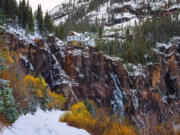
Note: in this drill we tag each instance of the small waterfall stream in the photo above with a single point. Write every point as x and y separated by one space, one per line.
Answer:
117 101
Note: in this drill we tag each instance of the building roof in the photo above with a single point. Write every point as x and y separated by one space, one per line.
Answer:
73 33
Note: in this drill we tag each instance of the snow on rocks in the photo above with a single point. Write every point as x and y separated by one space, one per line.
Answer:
135 70
60 13
101 14
42 123
166 46
124 15
75 52
22 35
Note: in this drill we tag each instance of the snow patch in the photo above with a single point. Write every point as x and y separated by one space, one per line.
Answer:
22 35
42 123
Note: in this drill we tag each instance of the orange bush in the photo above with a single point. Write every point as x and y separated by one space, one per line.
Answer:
34 83
39 87
117 128
56 100
81 118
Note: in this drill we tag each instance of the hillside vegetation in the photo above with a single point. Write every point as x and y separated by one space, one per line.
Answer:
75 68
138 47
21 93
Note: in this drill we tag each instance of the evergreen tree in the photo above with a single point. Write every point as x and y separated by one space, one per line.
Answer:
1 4
30 19
7 101
100 32
20 12
90 107
60 32
12 8
22 15
39 19
25 16
2 22
48 24
9 7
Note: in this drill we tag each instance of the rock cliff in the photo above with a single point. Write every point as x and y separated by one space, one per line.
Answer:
148 95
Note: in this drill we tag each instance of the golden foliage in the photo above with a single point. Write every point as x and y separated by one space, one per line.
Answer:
34 83
56 100
39 93
101 125
79 117
118 128
39 86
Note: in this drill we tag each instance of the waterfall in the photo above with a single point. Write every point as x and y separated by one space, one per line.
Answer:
135 99
117 101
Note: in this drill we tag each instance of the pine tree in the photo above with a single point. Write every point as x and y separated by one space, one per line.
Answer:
20 12
1 4
31 20
100 32
48 24
2 22
22 15
7 101
60 32
9 7
12 8
90 107
39 19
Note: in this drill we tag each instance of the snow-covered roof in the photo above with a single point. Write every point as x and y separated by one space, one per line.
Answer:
74 33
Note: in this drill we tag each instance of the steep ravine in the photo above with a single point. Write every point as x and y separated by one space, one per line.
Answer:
147 98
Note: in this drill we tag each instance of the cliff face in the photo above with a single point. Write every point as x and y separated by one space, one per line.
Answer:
147 96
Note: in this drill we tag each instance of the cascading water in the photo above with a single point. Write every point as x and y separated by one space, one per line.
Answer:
135 99
117 101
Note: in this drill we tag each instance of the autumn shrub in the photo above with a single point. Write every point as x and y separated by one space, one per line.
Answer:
100 125
117 128
39 87
79 117
56 100
29 92
166 128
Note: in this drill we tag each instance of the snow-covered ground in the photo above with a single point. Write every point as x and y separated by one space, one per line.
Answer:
42 123
29 37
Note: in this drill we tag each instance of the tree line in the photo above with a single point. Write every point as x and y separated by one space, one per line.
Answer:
23 15
138 46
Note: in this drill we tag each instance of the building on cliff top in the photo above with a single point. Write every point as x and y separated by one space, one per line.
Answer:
76 39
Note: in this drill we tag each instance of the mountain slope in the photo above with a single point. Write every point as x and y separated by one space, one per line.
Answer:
112 14
109 10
